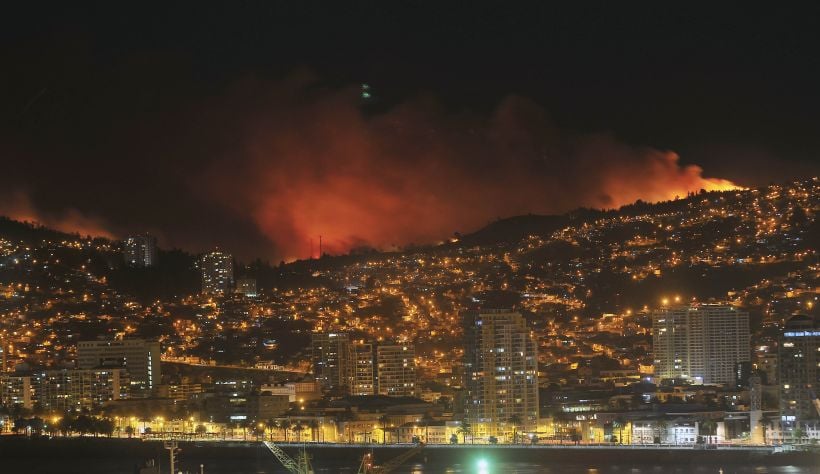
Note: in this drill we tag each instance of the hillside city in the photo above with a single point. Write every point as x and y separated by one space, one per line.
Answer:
692 321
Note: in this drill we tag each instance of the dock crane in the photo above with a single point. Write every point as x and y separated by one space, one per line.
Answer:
300 465
367 466
815 400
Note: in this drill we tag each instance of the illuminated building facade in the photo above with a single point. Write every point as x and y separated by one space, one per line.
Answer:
139 357
798 371
59 391
217 273
16 390
501 371
703 343
364 376
332 360
396 370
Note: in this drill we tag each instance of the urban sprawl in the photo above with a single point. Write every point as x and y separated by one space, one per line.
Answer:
688 322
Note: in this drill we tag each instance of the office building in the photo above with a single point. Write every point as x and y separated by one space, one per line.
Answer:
140 250
396 370
139 357
332 360
217 273
501 371
798 371
364 376
702 342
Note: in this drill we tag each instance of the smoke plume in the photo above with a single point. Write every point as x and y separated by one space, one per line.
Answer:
311 161
17 205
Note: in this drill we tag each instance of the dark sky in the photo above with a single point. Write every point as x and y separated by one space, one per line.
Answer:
240 123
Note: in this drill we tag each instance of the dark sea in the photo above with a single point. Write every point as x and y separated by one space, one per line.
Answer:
104 456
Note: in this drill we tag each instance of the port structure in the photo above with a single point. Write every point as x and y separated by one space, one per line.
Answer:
300 465
367 467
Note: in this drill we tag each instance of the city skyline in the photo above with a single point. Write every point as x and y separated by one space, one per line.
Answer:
462 237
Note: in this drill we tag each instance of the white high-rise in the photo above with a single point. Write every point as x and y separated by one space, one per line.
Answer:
501 371
701 342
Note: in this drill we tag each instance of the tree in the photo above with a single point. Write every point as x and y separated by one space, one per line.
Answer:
314 429
20 424
515 421
271 425
798 434
464 430
426 420
709 427
297 429
129 430
574 436
383 420
661 426
620 423
104 426
245 424
66 424
200 430
36 424
285 425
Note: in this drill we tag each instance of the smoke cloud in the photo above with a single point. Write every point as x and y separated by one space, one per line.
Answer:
17 205
311 161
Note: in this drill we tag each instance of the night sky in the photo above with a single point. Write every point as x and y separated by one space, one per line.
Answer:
242 125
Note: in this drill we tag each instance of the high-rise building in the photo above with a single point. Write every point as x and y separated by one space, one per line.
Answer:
396 370
332 360
701 342
798 371
140 250
364 376
139 357
246 286
501 371
217 272
64 390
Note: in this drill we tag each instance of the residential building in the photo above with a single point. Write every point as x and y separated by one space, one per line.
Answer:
16 390
364 377
140 250
701 342
217 273
59 391
332 360
396 370
798 372
501 371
